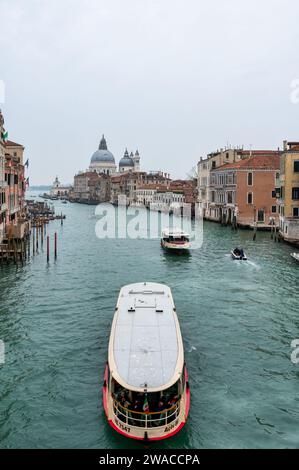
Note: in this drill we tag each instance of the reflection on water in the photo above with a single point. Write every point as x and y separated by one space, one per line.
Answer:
237 321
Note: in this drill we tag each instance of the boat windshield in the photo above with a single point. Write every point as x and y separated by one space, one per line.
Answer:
176 239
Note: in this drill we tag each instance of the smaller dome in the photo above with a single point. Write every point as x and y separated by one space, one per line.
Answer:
126 161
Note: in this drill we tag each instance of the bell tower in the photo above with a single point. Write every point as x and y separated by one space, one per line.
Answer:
136 160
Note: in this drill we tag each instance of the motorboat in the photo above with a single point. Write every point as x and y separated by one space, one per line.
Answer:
295 256
146 393
175 240
239 254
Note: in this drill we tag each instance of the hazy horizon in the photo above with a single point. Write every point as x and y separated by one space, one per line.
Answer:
175 79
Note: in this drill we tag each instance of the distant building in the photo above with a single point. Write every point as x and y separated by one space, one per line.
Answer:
91 188
126 184
245 191
289 192
145 194
58 190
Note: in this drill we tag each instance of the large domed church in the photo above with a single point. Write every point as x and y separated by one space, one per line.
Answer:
103 161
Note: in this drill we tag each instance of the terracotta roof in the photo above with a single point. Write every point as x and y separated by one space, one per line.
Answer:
258 152
256 162
10 143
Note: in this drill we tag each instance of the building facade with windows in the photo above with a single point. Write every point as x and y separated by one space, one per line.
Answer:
2 180
289 192
210 187
90 188
245 192
15 188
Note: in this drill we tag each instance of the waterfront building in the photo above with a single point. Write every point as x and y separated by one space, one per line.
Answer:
90 187
164 199
189 189
145 194
289 192
212 162
58 190
204 168
244 192
16 215
126 183
2 179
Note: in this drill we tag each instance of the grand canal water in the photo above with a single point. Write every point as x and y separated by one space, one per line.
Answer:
237 320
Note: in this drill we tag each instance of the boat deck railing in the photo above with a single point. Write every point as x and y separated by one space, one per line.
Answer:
146 419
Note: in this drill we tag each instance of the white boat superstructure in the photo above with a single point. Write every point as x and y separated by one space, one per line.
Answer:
295 256
175 239
146 392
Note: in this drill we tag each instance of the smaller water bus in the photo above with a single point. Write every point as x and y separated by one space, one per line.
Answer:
175 240
146 393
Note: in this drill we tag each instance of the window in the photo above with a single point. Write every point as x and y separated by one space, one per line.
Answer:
274 193
274 209
296 212
261 215
296 166
213 165
227 155
277 176
249 198
249 179
295 194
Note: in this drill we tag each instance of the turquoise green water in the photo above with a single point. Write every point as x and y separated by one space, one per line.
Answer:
237 321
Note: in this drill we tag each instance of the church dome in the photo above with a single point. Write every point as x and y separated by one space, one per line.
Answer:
102 155
126 161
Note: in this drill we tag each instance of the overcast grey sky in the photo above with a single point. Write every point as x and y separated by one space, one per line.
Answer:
175 78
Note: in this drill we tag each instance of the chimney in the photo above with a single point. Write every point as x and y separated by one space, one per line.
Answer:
285 145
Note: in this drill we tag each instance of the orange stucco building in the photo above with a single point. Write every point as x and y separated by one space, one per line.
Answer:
246 191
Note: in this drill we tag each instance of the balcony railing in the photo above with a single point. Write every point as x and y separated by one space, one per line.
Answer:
146 419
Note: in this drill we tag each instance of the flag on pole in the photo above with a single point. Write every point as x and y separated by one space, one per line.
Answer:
145 404
27 182
4 135
27 163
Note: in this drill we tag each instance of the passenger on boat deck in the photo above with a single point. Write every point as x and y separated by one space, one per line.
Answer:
137 406
172 401
160 407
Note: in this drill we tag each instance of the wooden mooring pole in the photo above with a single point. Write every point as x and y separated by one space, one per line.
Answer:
55 245
48 248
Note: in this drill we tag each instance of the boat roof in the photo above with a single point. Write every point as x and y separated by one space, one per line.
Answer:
145 347
174 232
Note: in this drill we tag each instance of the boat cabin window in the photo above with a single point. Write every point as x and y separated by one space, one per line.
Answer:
146 402
172 239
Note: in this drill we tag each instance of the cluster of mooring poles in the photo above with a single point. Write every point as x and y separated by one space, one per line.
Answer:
26 238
